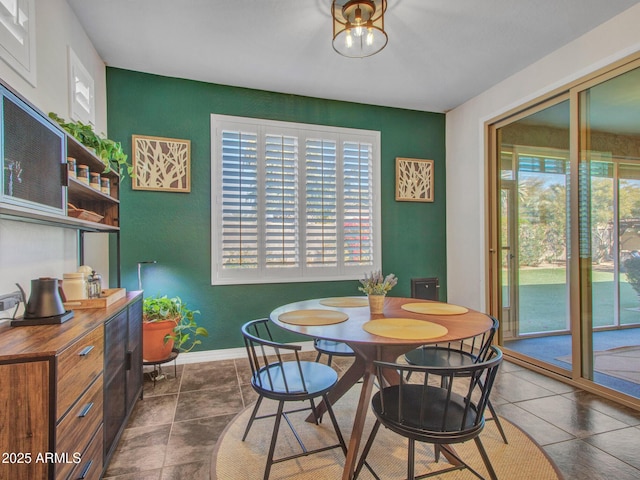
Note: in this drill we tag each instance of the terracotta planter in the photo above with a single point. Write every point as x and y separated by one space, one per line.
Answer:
154 348
376 304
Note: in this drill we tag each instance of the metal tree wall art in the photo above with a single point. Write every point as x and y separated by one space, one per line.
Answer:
414 180
161 164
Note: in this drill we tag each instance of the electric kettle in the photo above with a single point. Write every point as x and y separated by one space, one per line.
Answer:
45 299
45 303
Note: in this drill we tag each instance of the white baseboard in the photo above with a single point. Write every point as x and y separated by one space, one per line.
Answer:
226 354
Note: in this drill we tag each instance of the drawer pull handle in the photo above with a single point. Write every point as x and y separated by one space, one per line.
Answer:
85 470
85 410
86 350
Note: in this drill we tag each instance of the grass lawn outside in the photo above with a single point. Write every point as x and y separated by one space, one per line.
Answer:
544 300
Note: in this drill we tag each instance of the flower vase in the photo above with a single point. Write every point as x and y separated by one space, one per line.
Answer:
376 304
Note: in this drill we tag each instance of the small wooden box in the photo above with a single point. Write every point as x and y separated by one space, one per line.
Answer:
109 296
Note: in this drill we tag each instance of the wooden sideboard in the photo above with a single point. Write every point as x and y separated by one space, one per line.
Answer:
66 391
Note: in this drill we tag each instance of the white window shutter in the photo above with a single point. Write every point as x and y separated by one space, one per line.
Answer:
281 201
292 202
321 203
357 226
239 200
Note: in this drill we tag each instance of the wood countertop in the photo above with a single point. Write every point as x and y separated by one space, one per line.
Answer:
32 342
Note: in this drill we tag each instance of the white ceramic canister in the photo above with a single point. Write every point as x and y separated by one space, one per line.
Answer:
74 286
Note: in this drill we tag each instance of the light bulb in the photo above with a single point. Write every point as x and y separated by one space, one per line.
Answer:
370 36
358 22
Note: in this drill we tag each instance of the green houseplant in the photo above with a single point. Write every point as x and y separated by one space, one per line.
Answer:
168 324
109 151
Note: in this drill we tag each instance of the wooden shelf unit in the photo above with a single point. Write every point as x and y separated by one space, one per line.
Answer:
86 197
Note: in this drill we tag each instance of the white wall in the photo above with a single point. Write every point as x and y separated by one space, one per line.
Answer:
466 246
28 251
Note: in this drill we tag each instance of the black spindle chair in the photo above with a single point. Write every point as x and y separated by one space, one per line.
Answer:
440 415
459 353
283 379
331 349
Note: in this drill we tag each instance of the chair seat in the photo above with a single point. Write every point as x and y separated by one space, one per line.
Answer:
439 357
318 379
330 347
428 426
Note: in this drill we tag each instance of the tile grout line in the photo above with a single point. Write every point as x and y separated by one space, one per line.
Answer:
173 420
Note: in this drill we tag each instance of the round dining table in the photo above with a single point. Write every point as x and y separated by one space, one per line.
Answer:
405 324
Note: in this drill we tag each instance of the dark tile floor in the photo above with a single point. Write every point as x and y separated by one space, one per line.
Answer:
173 430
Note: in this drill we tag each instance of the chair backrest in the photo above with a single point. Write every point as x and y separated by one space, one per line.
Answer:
271 370
477 346
484 342
427 405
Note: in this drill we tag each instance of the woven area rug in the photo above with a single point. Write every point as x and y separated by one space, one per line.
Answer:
234 459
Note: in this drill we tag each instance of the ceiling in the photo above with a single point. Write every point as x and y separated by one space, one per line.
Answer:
440 53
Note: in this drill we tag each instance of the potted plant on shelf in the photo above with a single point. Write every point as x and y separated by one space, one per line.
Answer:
376 287
168 324
109 151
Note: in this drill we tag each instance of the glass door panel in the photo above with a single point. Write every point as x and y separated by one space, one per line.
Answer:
610 150
629 238
534 152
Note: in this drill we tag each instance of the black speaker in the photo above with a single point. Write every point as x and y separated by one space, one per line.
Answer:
425 288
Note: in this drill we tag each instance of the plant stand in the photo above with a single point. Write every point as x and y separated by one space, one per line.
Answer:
157 374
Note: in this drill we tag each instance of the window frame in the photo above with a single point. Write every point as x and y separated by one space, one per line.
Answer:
302 272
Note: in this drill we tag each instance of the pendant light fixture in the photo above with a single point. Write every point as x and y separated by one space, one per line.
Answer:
358 27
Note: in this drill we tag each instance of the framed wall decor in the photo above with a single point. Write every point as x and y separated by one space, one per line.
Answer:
161 164
414 180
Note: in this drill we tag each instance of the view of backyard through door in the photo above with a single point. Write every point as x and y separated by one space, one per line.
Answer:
536 209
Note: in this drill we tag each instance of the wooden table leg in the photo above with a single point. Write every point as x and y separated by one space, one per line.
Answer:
363 368
358 425
367 354
348 380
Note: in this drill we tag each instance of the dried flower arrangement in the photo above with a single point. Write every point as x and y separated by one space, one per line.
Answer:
376 284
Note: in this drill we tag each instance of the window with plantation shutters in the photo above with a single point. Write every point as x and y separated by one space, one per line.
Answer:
292 202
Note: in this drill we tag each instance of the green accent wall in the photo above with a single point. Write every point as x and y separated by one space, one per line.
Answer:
175 228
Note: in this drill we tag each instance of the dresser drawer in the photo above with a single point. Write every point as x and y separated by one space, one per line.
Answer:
77 367
75 430
90 467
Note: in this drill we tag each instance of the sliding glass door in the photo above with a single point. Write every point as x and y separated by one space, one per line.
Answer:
534 179
609 151
565 223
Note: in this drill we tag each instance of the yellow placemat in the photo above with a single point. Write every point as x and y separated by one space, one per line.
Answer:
345 302
434 308
313 317
405 328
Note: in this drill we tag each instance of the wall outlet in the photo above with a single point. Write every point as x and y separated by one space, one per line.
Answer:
10 300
